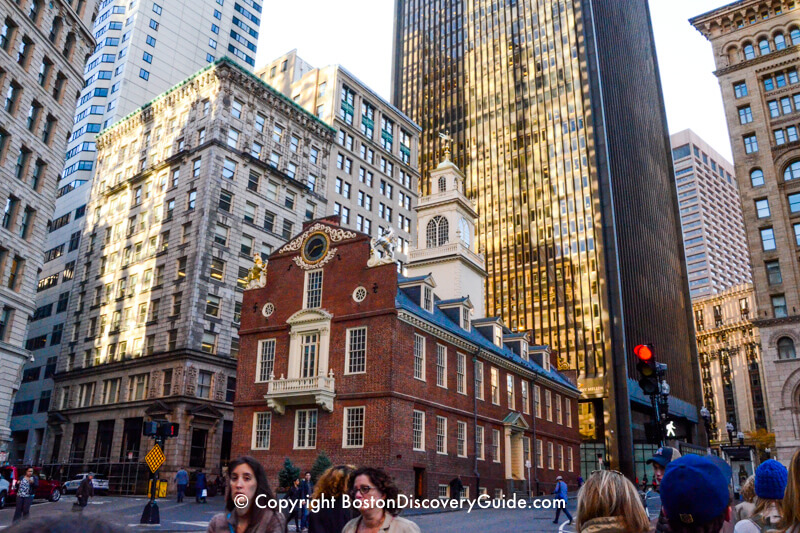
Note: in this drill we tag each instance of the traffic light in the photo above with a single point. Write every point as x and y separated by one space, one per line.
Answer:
150 429
168 429
648 371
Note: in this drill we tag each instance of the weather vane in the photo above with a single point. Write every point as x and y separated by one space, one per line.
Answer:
447 140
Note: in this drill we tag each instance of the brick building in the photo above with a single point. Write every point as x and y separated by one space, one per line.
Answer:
378 369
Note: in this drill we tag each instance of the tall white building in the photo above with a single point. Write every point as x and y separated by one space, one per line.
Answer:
144 47
711 217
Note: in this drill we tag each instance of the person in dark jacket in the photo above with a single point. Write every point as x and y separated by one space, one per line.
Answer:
199 486
294 510
333 483
85 491
306 489
456 486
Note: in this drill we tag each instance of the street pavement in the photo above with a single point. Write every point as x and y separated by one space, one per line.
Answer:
191 516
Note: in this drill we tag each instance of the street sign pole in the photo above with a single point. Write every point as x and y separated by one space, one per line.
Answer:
154 460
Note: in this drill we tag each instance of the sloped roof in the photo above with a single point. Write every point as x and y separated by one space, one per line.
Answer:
438 318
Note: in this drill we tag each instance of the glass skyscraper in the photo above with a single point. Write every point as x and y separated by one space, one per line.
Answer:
558 122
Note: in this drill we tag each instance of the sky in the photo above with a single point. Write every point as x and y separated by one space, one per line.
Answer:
363 45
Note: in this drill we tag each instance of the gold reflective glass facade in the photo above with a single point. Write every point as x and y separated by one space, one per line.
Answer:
507 82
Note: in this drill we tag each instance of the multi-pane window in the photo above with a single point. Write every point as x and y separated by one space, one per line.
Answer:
779 306
346 108
762 208
495 385
561 457
774 276
262 423
137 387
212 305
441 435
305 435
568 411
550 458
479 442
570 465
750 144
524 394
266 359
794 203
559 419
356 350
757 177
768 239
418 431
479 380
353 427
496 445
745 115
510 390
461 373
548 405
419 357
461 439
313 289
441 366
539 454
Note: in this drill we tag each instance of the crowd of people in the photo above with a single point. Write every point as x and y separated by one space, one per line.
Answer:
696 497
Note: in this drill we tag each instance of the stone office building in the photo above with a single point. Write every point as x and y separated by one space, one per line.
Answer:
400 372
185 196
43 46
756 47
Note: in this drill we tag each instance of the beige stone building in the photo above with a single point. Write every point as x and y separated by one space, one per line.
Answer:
185 195
731 368
373 177
756 46
44 46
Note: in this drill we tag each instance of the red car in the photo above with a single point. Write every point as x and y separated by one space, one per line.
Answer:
47 489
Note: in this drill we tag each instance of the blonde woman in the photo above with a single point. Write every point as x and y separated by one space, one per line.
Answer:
609 503
790 517
746 509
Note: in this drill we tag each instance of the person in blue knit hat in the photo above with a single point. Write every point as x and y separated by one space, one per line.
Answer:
771 477
694 496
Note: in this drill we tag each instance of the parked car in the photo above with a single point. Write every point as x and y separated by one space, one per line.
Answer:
48 489
99 482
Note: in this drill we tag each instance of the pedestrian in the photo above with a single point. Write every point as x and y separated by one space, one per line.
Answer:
306 490
182 480
85 490
561 495
60 523
293 497
770 485
332 485
661 458
695 496
609 503
790 517
248 484
200 487
25 493
370 486
456 486
746 508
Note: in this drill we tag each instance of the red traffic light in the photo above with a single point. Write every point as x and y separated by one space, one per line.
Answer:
643 352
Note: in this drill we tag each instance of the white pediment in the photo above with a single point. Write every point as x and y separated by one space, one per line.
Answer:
307 316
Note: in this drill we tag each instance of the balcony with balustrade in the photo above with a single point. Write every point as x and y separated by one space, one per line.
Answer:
319 390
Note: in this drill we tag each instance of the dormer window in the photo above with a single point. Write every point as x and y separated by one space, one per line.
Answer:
465 318
546 361
427 298
498 336
524 350
313 292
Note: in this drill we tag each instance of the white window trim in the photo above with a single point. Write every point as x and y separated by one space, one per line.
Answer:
446 492
422 436
444 372
261 344
347 351
444 442
316 432
499 454
551 460
305 288
255 431
363 427
568 410
423 357
548 404
479 392
525 395
482 433
460 424
461 357
492 372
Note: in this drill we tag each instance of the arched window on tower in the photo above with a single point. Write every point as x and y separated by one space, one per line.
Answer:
463 227
442 184
786 348
437 231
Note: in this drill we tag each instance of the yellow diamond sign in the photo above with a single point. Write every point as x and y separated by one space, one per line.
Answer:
154 458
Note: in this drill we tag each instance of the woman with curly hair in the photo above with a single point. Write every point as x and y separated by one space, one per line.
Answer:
747 507
332 485
375 495
248 481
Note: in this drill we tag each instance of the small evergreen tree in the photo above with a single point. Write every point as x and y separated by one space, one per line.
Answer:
287 475
321 464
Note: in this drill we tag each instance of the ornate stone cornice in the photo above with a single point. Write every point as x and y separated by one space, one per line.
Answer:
335 234
790 52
